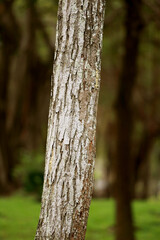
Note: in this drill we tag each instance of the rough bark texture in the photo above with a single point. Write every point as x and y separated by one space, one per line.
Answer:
124 165
70 152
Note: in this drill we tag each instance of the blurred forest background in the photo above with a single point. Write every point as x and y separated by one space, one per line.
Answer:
128 129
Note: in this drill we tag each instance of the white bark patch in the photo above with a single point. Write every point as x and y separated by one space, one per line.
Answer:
70 150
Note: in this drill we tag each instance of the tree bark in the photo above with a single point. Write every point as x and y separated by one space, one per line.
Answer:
70 153
124 165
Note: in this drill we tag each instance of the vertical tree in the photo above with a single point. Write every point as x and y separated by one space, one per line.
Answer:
9 40
70 152
124 164
19 91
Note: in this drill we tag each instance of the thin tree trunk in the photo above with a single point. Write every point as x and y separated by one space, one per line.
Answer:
146 180
142 161
70 152
124 165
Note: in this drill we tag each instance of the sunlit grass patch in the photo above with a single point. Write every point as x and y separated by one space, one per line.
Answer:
19 217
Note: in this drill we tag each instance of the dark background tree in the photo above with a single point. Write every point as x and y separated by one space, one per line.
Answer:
124 162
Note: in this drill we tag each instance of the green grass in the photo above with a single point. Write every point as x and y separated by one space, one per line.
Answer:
19 216
101 220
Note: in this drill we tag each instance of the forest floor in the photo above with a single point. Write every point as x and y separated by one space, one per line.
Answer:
19 216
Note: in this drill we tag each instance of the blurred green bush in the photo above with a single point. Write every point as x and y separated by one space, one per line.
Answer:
29 173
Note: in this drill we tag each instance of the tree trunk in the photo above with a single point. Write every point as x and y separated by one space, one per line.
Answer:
70 153
124 165
142 166
10 35
145 179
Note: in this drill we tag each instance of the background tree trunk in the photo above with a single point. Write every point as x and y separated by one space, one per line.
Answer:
9 32
23 75
124 164
70 152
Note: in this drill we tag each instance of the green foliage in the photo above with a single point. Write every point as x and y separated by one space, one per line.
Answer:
19 217
30 173
34 183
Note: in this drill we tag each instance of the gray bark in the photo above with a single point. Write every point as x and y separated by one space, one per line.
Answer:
70 153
